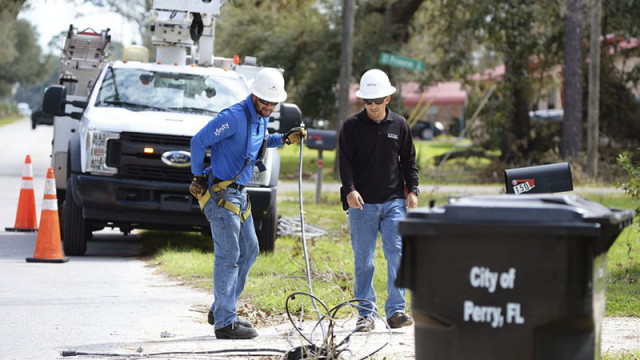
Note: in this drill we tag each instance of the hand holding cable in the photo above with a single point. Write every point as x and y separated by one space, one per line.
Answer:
198 186
295 135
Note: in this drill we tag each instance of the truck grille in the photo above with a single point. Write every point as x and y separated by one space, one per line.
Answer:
128 156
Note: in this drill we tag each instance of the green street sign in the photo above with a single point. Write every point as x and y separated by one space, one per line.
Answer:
402 62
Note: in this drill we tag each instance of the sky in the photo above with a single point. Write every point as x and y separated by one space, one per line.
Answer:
50 17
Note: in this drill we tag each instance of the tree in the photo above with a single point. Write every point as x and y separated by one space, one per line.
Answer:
11 7
21 59
306 45
516 32
305 42
135 11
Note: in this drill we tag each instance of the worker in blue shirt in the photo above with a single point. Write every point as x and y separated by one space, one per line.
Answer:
237 137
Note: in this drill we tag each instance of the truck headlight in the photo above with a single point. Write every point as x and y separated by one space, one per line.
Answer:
97 142
262 178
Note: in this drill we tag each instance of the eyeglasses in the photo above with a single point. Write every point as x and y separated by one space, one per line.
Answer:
377 101
267 103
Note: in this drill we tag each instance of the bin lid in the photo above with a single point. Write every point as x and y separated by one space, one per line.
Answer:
514 208
566 214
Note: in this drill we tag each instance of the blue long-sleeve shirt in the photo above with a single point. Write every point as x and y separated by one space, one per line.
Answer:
226 135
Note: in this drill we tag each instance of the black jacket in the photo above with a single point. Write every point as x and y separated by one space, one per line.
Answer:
377 158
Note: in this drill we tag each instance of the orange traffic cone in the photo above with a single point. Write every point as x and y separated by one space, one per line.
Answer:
26 215
48 242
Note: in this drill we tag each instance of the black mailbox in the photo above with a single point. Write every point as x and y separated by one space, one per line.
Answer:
549 178
321 139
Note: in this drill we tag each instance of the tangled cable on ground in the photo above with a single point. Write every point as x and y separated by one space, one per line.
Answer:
330 349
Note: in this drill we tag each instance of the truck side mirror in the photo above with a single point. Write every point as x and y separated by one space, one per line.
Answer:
55 98
290 117
55 101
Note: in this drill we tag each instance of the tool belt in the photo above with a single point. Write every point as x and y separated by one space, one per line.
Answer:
221 186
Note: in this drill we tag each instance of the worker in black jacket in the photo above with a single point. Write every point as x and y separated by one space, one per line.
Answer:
379 182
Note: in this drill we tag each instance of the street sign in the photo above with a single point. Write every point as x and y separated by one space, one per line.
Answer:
402 62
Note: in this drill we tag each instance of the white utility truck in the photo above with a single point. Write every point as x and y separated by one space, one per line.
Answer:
122 129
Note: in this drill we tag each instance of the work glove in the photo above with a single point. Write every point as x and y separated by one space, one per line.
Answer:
198 186
295 135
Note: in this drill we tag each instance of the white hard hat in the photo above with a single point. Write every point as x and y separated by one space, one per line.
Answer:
375 84
269 85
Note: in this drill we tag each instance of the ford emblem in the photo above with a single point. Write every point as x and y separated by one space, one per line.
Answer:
177 158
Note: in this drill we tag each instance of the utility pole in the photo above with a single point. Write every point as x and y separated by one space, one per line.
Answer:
572 122
593 117
345 70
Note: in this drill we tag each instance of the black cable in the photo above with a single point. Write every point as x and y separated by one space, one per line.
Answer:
68 353
293 297
329 350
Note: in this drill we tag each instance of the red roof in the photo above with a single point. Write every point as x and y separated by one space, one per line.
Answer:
444 93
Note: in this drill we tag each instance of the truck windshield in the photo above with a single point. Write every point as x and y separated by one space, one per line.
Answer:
143 90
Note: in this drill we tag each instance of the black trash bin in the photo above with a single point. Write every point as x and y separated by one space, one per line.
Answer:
508 276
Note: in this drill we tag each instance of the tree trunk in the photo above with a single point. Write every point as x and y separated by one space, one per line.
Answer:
345 70
573 59
515 144
594 90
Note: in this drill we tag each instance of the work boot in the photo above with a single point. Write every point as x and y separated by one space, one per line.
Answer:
365 324
236 331
211 320
399 320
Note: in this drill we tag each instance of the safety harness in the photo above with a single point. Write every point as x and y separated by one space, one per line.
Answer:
221 186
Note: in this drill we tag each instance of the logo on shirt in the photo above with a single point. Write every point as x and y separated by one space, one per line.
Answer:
222 128
393 136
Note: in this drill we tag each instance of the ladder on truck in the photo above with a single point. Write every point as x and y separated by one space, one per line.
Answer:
84 55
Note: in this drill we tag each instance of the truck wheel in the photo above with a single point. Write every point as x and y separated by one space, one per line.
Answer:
267 235
75 228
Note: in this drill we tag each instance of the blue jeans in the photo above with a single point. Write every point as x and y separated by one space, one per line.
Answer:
235 250
365 226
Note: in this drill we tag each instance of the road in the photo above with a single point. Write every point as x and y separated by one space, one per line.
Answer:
111 301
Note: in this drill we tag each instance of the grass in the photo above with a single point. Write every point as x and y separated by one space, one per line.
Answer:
426 151
10 119
190 257
625 355
623 262
623 268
